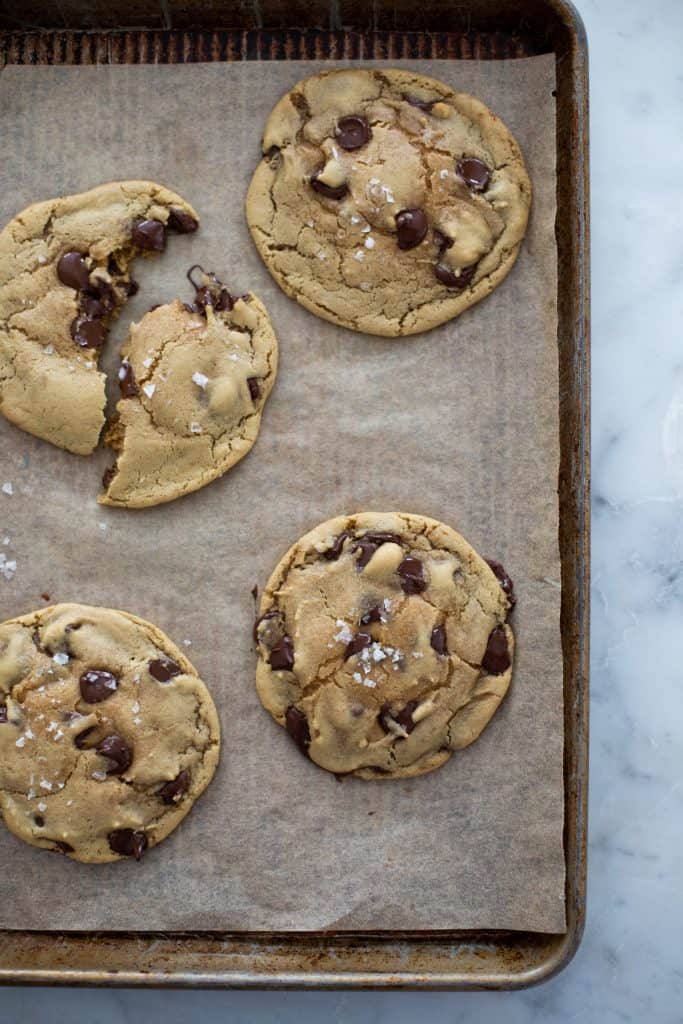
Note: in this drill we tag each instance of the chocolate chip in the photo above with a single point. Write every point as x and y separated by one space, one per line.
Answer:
438 639
414 101
330 191
88 333
224 301
411 572
3 713
368 544
72 270
506 583
254 388
128 843
173 792
104 292
448 276
117 750
335 550
62 846
109 475
282 655
39 820
127 380
81 740
163 669
353 131
149 234
296 725
45 596
411 228
374 615
181 221
474 173
359 641
404 718
97 685
497 656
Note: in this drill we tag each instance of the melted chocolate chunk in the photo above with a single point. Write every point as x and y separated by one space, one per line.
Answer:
411 571
329 191
81 740
173 792
92 307
254 388
108 475
97 685
451 279
130 287
3 713
224 301
359 641
39 820
414 101
296 725
438 639
496 658
333 552
374 615
149 234
212 294
72 270
181 221
506 583
163 669
282 655
411 228
128 843
474 173
353 131
127 380
368 544
103 292
88 333
119 753
62 846
404 718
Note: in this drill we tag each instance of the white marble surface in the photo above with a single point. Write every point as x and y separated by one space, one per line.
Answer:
630 965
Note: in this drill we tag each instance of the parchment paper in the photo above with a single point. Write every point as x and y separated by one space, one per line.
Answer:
460 424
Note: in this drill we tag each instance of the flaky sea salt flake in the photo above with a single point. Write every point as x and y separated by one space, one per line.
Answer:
8 489
200 379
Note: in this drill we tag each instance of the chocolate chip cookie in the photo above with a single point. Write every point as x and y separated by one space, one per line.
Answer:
194 380
107 733
384 644
63 277
386 202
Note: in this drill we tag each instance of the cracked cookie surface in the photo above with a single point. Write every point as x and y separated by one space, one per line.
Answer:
386 202
383 644
63 277
107 733
194 381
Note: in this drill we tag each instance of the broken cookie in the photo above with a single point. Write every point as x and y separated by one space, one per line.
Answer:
107 734
194 380
384 644
64 274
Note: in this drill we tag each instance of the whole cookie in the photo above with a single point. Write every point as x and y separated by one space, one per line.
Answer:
194 381
383 644
107 733
386 202
63 277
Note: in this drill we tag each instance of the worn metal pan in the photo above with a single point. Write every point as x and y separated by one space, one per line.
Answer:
82 32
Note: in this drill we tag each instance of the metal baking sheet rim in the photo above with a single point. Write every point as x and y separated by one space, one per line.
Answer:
493 960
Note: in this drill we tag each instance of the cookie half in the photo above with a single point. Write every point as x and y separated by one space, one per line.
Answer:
63 277
386 202
194 381
107 733
384 644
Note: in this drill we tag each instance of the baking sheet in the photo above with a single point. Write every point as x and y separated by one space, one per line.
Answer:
460 424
